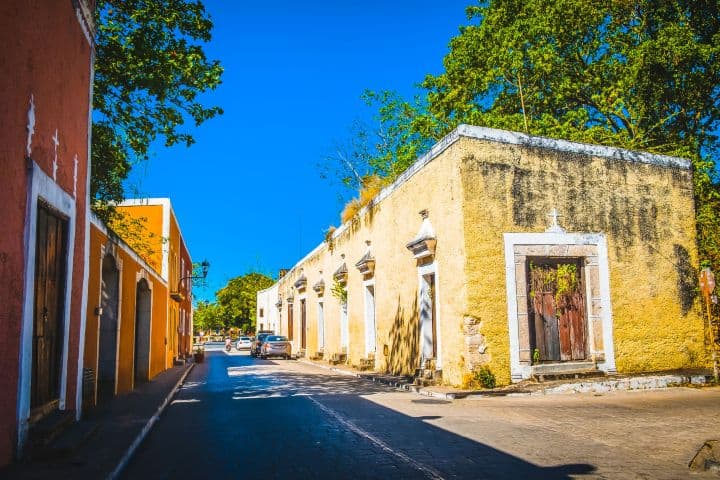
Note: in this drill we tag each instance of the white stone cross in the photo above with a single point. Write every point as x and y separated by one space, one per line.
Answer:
75 173
55 163
554 226
30 126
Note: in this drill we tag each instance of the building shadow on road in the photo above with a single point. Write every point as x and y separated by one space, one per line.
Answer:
326 426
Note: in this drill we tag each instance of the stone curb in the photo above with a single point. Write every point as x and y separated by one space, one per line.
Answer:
408 387
148 426
652 382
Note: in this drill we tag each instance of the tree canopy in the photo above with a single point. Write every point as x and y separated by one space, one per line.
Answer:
235 305
150 69
641 75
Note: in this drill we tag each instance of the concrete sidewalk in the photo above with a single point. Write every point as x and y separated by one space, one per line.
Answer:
99 446
580 385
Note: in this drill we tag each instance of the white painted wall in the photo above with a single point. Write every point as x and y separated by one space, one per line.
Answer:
266 300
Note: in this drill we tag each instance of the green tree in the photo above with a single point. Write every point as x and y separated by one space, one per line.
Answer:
641 75
207 316
237 301
150 69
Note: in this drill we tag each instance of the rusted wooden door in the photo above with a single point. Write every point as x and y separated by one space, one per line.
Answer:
303 320
559 313
571 309
48 327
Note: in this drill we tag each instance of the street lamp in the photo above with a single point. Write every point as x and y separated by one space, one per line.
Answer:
177 295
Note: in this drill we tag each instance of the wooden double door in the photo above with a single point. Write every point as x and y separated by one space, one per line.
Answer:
557 301
49 307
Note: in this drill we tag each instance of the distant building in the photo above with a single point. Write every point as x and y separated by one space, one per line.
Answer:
45 92
268 317
520 254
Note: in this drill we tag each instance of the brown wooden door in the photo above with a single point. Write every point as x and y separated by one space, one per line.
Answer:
48 327
290 321
303 320
558 311
572 324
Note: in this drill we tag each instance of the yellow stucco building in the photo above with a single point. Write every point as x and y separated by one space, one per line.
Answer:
139 315
523 255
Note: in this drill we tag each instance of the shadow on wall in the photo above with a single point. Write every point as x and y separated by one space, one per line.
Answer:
687 278
404 337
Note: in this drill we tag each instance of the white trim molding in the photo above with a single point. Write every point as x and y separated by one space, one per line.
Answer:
42 187
592 248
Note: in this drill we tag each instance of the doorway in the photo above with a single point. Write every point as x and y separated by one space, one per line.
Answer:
49 307
370 333
290 321
557 310
303 325
343 326
109 320
428 317
143 313
321 326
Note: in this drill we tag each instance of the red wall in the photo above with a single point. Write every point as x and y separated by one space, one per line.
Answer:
44 54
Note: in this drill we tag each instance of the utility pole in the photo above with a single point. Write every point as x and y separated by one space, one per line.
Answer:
707 285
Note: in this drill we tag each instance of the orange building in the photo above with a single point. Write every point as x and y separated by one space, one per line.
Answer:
173 262
46 91
139 309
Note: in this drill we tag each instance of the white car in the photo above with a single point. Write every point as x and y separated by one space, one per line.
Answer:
244 343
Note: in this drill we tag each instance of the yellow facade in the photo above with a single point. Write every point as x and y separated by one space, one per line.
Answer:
172 257
131 270
628 218
139 315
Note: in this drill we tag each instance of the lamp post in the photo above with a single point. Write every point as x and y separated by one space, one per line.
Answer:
177 295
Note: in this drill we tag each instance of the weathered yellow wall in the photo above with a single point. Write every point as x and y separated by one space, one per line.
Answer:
646 212
389 226
475 191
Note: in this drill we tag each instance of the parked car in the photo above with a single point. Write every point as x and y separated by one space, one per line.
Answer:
276 346
259 339
244 343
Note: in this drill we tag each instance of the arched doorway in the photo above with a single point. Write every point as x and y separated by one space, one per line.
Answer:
109 303
143 313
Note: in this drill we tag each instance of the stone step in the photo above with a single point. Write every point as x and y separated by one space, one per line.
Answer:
568 375
67 442
46 430
562 367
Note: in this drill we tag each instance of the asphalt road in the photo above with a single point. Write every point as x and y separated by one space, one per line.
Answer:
240 417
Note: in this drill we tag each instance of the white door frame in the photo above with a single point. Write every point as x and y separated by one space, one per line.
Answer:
429 269
42 187
321 324
370 323
597 308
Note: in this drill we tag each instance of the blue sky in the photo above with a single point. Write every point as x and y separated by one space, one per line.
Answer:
248 194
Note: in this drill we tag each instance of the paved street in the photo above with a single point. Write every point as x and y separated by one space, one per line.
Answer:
248 418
